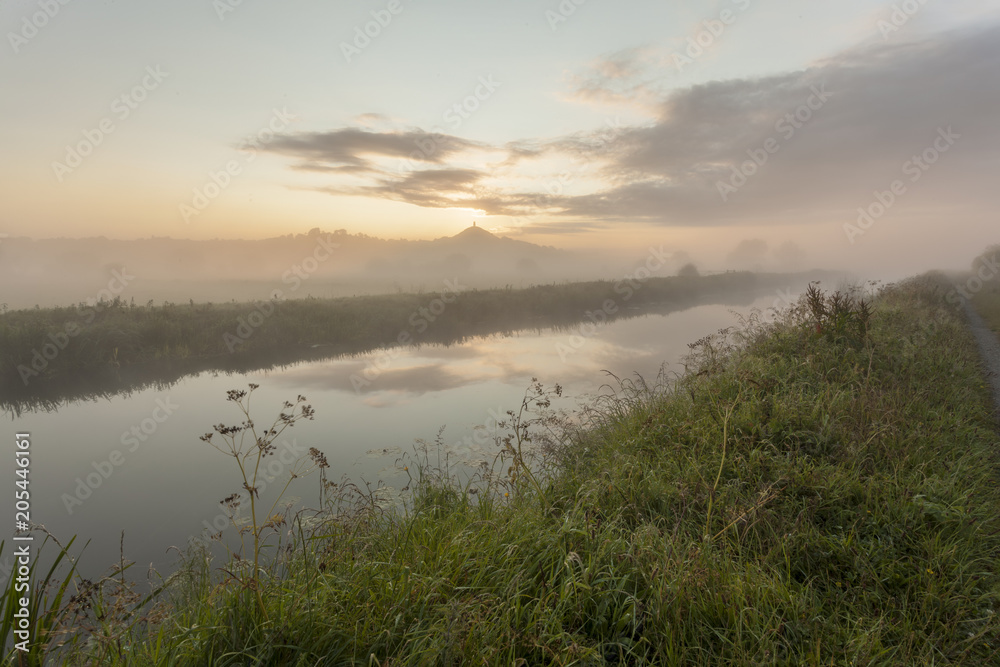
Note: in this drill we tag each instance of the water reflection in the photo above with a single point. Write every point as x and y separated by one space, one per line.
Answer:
449 337
391 377
168 487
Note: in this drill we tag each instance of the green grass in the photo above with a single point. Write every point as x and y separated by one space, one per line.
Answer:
987 304
983 286
822 491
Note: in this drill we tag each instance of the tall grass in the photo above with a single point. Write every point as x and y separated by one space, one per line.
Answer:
44 618
797 497
987 304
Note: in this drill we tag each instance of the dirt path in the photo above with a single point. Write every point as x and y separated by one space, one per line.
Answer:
989 351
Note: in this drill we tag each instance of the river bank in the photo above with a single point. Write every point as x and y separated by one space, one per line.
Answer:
820 489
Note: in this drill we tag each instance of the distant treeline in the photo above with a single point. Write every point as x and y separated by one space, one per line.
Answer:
113 346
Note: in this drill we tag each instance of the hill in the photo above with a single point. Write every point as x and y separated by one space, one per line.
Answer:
60 272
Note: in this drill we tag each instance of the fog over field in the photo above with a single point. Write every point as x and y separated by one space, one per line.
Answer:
56 272
863 139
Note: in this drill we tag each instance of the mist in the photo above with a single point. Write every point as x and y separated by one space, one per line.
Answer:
325 264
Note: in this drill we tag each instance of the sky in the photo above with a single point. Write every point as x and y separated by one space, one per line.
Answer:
857 133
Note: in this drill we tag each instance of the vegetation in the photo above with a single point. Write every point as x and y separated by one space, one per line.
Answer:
688 270
819 490
249 446
984 292
46 613
113 345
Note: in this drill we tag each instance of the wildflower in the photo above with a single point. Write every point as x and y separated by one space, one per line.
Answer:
318 458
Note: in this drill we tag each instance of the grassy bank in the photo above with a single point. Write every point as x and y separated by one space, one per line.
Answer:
819 491
982 287
987 304
66 352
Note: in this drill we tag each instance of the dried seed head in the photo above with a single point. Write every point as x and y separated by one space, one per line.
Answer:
235 395
318 457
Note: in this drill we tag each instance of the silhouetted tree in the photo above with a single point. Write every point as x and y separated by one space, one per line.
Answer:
689 270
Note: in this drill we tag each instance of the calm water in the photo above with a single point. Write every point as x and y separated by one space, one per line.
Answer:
168 483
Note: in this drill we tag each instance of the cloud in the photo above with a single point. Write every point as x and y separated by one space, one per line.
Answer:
561 227
882 105
348 149
437 188
413 380
838 132
630 77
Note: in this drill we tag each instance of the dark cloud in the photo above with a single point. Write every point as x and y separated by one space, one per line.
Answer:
345 149
837 132
874 108
435 188
444 188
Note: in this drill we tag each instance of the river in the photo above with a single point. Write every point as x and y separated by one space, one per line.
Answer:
136 464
